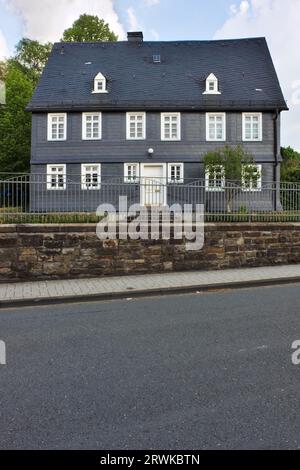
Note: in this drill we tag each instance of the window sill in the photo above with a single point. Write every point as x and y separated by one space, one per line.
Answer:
211 93
91 189
56 189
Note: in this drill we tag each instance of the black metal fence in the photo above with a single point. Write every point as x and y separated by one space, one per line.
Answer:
32 198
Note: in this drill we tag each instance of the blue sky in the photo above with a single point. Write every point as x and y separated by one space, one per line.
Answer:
11 26
173 19
162 20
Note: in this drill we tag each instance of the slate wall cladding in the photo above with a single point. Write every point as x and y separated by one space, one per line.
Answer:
30 252
115 148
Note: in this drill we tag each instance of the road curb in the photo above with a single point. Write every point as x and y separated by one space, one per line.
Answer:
163 291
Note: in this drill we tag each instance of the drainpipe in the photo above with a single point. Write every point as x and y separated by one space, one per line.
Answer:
275 120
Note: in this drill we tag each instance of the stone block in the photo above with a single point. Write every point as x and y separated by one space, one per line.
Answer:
28 254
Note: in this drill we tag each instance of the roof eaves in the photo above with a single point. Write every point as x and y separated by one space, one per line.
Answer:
225 105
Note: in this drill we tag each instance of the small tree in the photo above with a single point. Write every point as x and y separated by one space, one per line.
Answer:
89 28
235 166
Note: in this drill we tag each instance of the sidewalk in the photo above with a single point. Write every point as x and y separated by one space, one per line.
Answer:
44 292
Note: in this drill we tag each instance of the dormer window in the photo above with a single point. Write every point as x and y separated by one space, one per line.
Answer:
100 84
212 85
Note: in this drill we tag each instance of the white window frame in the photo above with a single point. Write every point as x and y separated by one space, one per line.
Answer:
208 116
163 123
175 181
214 188
156 58
128 116
260 123
84 125
51 173
50 122
212 79
128 179
84 185
259 181
100 79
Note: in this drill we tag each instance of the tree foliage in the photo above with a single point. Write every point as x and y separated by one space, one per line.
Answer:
20 75
290 167
31 56
15 123
89 28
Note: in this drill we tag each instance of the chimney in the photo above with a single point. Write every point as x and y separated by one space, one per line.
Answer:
136 36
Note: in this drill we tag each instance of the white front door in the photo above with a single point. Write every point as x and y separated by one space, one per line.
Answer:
153 185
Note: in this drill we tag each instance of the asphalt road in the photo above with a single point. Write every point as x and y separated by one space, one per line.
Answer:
208 371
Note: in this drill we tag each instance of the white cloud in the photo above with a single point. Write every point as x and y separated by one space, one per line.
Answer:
233 9
4 51
150 3
46 20
278 21
133 23
244 7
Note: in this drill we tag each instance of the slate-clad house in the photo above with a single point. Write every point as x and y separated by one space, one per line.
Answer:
136 111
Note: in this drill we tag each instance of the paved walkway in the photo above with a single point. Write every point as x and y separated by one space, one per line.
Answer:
28 293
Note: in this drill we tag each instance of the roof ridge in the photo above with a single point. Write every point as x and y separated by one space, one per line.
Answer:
185 41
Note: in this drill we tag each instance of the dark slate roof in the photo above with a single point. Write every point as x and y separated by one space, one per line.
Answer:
178 82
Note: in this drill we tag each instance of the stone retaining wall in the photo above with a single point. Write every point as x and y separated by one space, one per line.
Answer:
34 252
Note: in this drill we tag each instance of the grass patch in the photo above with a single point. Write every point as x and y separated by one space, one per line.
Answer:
14 216
283 216
53 218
